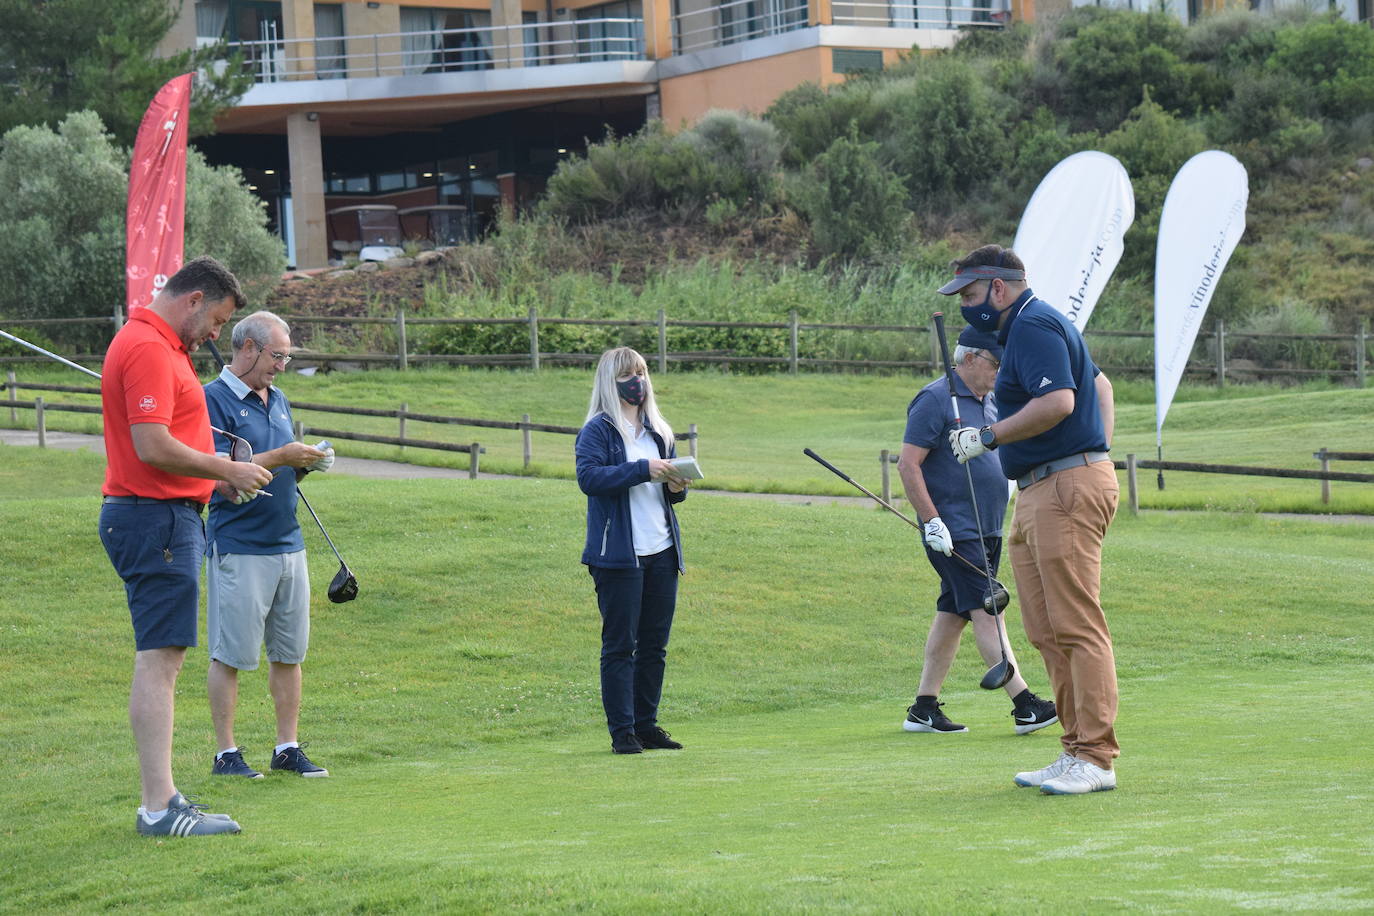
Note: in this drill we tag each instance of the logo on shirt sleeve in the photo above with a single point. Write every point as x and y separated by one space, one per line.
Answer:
147 403
1045 381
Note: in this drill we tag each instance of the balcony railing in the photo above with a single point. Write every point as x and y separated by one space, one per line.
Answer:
735 21
444 50
916 15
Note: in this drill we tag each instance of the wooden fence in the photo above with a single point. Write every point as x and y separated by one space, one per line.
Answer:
402 415
1349 351
887 457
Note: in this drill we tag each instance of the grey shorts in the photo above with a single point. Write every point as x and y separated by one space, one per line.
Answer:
255 599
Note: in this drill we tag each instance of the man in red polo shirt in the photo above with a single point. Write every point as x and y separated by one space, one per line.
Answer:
159 476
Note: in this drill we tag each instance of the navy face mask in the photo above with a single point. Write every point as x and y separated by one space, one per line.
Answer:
982 317
631 390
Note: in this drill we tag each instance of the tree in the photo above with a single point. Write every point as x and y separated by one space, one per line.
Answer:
62 56
63 222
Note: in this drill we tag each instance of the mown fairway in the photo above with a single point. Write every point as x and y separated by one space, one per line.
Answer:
753 428
456 706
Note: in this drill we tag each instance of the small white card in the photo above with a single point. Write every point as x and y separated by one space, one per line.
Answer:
688 467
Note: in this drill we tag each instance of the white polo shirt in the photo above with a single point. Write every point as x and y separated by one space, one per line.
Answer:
648 511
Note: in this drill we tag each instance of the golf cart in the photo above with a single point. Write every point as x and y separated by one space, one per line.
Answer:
376 226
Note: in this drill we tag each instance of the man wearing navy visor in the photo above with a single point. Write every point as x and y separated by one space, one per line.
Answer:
1057 415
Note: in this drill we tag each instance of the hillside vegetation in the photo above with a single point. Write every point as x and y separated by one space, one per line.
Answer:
846 204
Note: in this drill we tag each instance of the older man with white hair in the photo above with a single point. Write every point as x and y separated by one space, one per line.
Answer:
256 577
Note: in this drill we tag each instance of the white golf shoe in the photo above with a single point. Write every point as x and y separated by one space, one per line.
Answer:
1080 778
1038 777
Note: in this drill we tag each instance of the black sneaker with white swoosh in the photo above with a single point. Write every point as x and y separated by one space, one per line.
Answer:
927 717
1034 715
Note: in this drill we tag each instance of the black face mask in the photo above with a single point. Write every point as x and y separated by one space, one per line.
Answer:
631 390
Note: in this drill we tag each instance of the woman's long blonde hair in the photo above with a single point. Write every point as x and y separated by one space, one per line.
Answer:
606 399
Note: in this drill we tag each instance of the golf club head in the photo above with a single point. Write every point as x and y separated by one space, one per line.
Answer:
344 587
996 602
998 675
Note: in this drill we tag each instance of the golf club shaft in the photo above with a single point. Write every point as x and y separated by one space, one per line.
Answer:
61 359
968 472
867 492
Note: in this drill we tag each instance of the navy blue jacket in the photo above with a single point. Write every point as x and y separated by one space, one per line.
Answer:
605 475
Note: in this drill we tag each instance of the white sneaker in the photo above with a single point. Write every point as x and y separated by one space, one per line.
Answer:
1080 778
1038 777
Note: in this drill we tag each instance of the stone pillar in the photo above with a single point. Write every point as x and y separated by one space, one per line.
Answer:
819 12
307 189
508 44
298 26
369 55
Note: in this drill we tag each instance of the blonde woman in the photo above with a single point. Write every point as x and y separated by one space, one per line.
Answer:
634 549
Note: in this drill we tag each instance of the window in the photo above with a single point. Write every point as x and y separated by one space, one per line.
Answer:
330 63
613 40
439 40
211 18
744 19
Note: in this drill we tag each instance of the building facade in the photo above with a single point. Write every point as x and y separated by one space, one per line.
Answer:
451 113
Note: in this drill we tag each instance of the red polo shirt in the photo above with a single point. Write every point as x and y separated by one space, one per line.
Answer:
149 378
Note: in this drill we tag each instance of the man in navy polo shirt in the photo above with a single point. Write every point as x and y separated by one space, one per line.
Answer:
1056 426
256 577
938 487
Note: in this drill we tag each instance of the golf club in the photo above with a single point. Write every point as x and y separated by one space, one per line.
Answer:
994 601
1000 673
344 586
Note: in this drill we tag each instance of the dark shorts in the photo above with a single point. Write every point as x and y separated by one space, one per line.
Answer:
962 587
157 549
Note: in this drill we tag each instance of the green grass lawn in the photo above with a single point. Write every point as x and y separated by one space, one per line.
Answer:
456 706
753 428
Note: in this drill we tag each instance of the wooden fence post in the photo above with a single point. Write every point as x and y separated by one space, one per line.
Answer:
40 421
401 422
1131 485
525 430
118 318
534 339
792 343
692 442
1361 345
13 387
887 478
299 429
476 457
662 341
1221 353
934 347
401 339
1325 458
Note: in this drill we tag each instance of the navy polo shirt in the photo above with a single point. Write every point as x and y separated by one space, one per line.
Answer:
1044 352
929 419
266 525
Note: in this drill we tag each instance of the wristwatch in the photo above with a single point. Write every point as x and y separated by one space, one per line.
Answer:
988 438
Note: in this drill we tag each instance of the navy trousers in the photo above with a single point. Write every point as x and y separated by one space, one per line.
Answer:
636 617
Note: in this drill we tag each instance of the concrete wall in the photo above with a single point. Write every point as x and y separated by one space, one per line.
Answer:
749 86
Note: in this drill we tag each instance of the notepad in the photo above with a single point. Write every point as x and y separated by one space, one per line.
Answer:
687 467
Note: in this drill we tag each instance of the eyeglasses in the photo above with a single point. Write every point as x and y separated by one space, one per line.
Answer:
981 355
283 358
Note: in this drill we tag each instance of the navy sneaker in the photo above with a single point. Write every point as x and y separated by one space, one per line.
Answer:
657 739
293 760
231 764
1034 715
185 819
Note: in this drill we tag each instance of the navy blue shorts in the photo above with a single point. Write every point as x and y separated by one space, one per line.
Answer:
157 549
962 587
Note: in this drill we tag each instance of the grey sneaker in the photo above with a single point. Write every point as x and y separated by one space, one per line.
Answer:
1038 777
185 819
231 764
1080 778
293 760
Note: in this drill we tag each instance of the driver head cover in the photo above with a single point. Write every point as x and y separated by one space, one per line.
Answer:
344 587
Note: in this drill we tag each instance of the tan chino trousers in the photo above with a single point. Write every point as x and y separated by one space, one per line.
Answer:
1056 553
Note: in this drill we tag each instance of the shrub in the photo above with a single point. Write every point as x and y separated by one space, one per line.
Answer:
809 118
1286 322
856 204
1336 59
226 220
736 159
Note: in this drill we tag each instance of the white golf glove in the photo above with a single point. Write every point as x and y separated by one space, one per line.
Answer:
325 463
240 497
966 444
937 536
